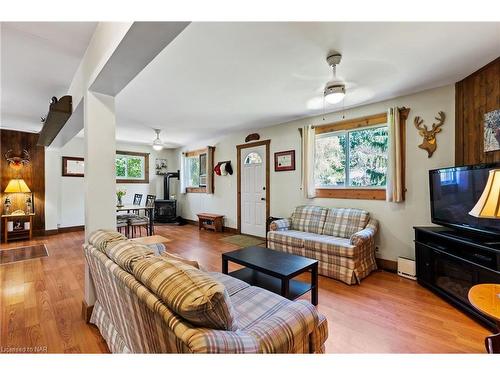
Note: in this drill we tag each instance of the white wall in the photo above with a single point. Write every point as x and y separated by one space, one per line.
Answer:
396 220
64 196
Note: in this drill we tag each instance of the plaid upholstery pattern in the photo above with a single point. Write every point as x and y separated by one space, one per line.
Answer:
293 238
126 253
109 333
232 284
133 320
309 219
100 238
330 246
344 222
190 293
281 224
348 259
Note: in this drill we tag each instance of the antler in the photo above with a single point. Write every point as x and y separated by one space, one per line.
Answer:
418 122
7 154
440 118
26 159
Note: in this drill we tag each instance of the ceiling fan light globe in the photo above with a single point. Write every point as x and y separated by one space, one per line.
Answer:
157 147
334 93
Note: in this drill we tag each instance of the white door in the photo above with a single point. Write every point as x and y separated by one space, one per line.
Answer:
253 191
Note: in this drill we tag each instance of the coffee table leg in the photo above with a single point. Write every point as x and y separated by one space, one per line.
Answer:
224 266
314 285
285 288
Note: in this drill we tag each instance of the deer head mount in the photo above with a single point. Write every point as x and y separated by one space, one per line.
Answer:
429 143
16 162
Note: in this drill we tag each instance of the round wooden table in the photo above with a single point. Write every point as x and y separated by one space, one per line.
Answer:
486 299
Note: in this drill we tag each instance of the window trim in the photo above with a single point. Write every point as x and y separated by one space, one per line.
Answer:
365 193
144 180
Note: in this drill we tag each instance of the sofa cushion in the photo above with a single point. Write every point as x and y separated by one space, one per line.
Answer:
126 253
293 238
189 292
101 238
344 222
255 304
330 245
309 219
232 284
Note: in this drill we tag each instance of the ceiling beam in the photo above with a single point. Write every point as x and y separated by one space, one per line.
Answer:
142 43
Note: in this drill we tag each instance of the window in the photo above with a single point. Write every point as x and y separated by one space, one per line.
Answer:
354 158
253 158
193 171
132 167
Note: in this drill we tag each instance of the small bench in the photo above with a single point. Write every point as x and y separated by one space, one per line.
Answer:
211 221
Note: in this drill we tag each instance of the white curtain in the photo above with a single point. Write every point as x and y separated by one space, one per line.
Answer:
394 189
308 138
183 178
210 169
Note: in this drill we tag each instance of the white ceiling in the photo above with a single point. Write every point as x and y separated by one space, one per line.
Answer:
38 61
220 77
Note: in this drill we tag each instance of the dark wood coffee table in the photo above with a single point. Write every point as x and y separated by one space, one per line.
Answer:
274 270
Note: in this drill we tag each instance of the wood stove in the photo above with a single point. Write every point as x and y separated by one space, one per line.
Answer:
166 209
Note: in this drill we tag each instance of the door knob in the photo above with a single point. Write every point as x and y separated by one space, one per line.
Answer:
262 199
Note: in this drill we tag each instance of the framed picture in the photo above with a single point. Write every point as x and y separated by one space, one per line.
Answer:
161 167
72 166
284 161
492 131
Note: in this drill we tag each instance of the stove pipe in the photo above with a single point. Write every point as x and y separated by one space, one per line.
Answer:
166 183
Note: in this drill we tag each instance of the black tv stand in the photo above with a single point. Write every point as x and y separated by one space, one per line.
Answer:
450 262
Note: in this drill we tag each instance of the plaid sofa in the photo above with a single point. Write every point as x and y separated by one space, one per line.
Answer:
341 239
132 319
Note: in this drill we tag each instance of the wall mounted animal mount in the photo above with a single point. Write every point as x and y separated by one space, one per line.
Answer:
429 143
17 162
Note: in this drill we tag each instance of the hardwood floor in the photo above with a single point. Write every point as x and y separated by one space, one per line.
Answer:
41 304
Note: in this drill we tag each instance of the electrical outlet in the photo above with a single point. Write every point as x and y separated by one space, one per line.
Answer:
377 250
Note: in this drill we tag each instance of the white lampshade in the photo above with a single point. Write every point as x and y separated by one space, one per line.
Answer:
488 205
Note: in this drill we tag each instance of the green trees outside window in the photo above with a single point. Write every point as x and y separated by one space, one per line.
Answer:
354 158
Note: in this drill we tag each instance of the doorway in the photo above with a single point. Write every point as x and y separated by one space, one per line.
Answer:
253 188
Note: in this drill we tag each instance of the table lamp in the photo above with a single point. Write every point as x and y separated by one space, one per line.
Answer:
488 205
16 185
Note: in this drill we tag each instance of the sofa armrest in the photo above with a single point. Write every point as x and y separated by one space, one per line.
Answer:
280 225
289 328
223 342
367 234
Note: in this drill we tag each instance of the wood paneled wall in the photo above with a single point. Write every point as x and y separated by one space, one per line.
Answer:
475 95
33 174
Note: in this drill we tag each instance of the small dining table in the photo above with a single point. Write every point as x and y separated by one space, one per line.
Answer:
133 207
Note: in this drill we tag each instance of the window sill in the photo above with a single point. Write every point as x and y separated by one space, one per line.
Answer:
358 193
132 181
196 190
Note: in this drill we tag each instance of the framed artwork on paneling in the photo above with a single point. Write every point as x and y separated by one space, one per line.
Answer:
492 131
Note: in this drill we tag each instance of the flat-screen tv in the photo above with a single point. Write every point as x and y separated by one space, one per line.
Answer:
454 192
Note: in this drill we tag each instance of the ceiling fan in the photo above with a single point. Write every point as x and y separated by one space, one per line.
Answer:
334 90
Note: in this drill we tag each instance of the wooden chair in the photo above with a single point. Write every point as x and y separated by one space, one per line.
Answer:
122 226
139 222
492 344
137 199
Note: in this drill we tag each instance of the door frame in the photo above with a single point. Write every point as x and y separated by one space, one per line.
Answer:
268 179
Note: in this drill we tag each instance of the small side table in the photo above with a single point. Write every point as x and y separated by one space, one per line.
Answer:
19 234
210 221
486 299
